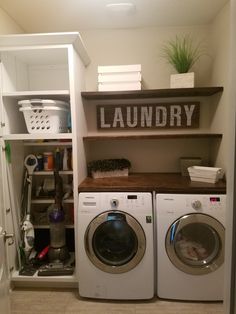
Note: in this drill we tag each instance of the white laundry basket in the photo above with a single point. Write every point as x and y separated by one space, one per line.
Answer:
45 115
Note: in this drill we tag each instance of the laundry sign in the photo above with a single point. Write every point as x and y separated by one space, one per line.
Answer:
165 115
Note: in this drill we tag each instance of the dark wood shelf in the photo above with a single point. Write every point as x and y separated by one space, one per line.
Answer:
148 182
154 136
154 93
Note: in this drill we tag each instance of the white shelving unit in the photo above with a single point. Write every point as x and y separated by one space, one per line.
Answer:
51 143
50 201
27 137
46 173
47 281
48 66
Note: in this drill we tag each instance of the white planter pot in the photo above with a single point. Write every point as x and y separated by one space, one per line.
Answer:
183 80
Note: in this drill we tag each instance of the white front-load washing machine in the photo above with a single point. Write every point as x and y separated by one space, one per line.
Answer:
115 245
190 246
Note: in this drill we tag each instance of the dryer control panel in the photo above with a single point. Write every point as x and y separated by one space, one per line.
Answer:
178 204
207 202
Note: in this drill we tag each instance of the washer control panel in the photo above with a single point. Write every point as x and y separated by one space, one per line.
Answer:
123 201
196 204
114 203
129 201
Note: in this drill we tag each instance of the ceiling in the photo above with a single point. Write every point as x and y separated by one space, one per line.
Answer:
74 15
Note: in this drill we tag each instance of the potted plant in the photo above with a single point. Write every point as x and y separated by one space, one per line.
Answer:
182 55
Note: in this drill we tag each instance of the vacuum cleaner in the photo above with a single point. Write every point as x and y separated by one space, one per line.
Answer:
60 261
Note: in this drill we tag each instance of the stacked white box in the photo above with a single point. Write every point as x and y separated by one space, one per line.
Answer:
119 77
205 174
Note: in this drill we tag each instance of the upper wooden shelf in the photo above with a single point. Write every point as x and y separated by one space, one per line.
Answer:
154 93
153 136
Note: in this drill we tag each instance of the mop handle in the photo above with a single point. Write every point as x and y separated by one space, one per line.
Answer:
29 179
30 163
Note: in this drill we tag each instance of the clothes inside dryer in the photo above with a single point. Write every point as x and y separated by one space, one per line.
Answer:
194 243
197 243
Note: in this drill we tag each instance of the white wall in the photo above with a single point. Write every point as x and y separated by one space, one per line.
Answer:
8 25
144 45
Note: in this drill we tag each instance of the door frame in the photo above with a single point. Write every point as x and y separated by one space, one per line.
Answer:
230 249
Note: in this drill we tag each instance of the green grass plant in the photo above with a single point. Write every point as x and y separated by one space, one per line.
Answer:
181 53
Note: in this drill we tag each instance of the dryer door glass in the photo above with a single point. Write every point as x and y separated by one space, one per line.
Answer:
195 244
115 242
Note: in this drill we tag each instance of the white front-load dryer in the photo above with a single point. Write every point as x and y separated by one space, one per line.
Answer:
190 246
115 245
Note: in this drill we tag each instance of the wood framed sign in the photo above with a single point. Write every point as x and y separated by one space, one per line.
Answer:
153 116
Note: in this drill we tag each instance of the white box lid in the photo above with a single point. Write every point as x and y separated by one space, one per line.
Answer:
119 68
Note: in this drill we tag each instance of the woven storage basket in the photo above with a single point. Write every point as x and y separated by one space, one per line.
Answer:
45 115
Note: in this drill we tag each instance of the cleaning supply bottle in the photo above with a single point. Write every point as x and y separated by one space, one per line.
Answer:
65 159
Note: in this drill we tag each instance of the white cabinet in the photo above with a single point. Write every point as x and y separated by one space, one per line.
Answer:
42 66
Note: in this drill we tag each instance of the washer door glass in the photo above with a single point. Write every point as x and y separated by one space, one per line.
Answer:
195 244
115 242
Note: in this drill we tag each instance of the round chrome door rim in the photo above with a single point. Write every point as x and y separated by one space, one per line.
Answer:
204 268
138 230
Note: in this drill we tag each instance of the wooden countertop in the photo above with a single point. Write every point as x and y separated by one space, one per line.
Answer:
148 182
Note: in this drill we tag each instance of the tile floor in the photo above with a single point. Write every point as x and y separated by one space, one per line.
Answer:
67 301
